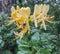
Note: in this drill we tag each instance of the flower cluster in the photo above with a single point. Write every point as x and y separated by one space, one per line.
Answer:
40 15
20 16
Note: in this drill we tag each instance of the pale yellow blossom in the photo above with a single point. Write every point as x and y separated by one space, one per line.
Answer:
40 15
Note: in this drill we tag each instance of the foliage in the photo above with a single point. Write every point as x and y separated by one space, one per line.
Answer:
6 35
36 41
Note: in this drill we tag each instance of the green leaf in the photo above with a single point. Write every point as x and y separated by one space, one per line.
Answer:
35 39
24 52
43 51
7 52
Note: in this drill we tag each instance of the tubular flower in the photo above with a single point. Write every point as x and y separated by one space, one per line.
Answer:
20 16
40 15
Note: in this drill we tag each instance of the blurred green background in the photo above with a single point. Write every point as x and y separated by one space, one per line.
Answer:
37 41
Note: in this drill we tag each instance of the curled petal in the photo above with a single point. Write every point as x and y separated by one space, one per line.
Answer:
12 9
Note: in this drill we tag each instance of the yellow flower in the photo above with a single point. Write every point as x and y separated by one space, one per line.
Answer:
41 15
20 35
20 16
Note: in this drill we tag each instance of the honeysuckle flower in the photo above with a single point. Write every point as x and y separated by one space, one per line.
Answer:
40 15
20 16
